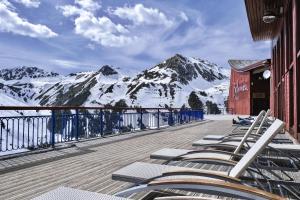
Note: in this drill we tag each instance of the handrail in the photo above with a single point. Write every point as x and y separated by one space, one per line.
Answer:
84 107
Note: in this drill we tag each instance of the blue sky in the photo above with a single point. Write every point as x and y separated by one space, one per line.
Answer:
82 35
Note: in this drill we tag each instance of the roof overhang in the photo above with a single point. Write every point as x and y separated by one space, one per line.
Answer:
255 12
248 65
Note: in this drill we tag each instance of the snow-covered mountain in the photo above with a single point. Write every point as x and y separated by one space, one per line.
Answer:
24 72
167 84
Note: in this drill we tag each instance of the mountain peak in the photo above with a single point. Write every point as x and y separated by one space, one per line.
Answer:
178 56
185 69
18 73
107 70
173 61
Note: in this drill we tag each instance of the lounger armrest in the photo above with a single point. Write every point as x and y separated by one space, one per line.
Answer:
221 184
206 173
184 198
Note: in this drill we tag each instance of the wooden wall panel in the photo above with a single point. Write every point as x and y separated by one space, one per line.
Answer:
239 95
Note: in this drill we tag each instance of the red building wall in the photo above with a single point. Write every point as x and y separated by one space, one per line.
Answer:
285 80
239 93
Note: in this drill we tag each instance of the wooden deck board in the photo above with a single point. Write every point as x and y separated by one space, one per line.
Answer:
89 167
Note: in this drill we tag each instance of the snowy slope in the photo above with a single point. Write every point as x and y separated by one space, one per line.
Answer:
168 83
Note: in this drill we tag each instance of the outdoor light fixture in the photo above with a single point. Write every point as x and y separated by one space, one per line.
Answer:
271 12
269 17
267 74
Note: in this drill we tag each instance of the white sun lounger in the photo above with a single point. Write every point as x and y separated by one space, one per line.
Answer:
260 120
168 154
220 188
64 193
214 156
231 145
138 172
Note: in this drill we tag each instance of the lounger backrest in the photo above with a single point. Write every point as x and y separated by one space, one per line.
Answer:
263 121
249 131
256 149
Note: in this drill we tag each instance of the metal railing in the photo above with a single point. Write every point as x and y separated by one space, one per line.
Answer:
64 124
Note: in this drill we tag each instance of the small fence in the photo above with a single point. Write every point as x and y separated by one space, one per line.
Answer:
64 124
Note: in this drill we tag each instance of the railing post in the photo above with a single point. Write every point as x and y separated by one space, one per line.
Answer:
158 118
180 118
189 112
141 123
119 124
77 124
53 128
171 118
101 122
194 115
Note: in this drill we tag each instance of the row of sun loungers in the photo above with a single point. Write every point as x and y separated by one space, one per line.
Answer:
248 164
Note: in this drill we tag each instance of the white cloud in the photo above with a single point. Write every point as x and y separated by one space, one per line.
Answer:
7 4
97 29
184 16
88 5
91 46
11 22
69 10
68 63
139 14
101 30
29 3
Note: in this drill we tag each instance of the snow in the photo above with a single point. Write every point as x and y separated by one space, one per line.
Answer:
9 101
156 94
3 153
223 117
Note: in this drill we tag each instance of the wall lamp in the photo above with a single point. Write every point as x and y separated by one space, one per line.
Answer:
271 12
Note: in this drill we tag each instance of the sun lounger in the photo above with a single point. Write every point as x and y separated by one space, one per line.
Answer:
231 145
238 137
145 173
259 121
217 157
220 188
283 162
64 193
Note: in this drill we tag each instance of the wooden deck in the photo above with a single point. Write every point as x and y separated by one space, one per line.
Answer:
89 165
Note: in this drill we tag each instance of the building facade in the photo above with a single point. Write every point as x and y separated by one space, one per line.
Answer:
249 91
279 21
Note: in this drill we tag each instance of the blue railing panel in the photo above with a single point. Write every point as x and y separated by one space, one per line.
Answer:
43 131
